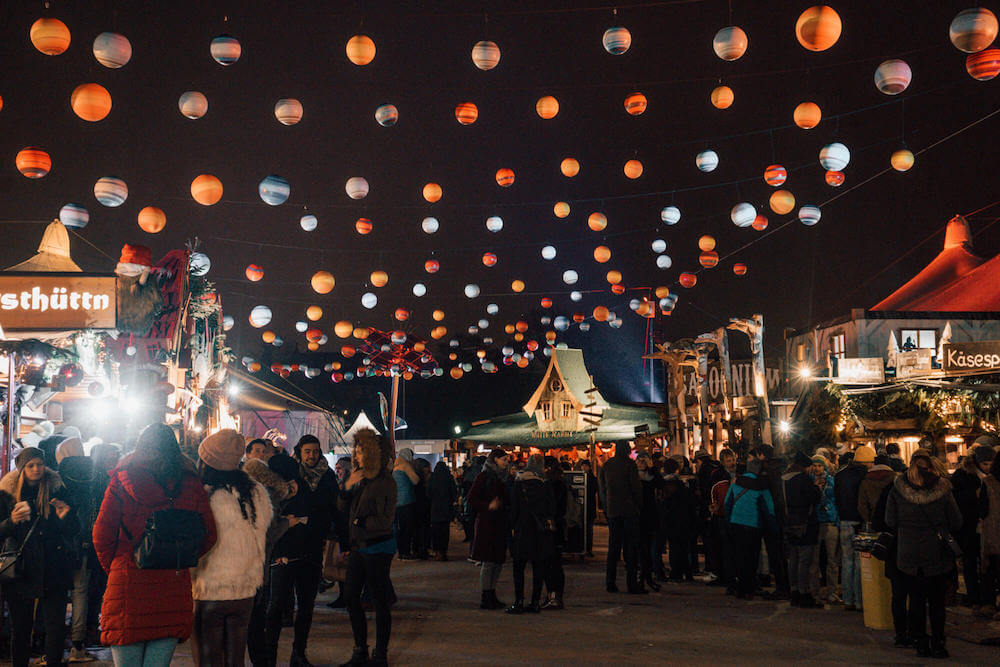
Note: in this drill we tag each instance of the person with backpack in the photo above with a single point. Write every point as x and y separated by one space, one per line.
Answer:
532 515
147 611
749 512
801 495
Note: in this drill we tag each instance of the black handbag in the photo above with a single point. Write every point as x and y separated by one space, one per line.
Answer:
171 541
883 545
11 563
945 538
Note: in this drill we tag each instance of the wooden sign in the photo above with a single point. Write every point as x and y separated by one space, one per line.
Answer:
860 371
913 363
54 301
971 356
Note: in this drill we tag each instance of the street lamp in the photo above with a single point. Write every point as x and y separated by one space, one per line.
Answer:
805 372
784 427
234 390
458 429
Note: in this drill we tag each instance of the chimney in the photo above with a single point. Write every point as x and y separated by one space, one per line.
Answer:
957 233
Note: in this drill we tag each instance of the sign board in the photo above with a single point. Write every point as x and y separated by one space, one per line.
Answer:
641 428
913 363
861 371
971 356
576 536
53 301
742 376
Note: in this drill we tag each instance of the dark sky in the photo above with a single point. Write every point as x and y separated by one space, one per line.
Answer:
796 274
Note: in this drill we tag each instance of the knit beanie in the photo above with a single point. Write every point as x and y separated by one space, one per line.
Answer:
406 454
983 454
801 459
69 447
27 454
285 466
223 450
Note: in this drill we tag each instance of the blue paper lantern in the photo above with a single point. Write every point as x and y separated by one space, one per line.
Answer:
387 115
74 216
707 161
112 50
274 190
617 40
111 191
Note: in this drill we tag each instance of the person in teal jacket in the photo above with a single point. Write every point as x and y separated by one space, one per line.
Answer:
749 512
829 534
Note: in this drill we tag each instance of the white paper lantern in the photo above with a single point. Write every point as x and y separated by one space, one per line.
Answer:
301 326
356 187
893 77
575 296
419 289
664 262
670 215
548 252
707 161
494 223
228 322
743 214
616 40
659 246
429 225
561 323
472 290
834 157
809 215
199 264
570 277
486 55
260 316
369 300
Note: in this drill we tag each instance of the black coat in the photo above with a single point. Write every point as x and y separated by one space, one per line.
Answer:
679 509
297 541
443 492
322 509
620 488
801 498
966 487
918 514
846 489
532 506
652 492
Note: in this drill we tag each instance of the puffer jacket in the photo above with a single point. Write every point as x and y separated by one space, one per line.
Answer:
919 515
749 508
878 478
826 509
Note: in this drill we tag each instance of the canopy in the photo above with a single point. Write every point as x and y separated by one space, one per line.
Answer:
618 423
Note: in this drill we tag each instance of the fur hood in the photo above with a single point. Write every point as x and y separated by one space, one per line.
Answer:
8 484
880 473
920 495
272 481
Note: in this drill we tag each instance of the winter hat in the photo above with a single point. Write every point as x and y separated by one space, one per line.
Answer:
864 454
702 453
820 459
921 453
286 467
498 453
69 447
983 454
71 432
223 450
801 459
535 464
27 454
38 431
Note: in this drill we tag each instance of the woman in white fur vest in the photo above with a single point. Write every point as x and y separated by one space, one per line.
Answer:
228 576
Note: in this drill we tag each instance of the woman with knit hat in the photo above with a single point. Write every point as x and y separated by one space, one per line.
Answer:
829 532
228 576
36 520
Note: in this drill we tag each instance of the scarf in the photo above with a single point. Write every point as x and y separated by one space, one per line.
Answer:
313 475
526 475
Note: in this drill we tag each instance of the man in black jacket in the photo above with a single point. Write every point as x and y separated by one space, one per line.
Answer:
622 493
801 496
771 471
846 487
966 486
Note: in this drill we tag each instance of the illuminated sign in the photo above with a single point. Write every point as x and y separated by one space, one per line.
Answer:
40 301
860 371
971 356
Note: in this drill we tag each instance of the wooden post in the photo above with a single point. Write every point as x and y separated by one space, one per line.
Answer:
393 402
754 329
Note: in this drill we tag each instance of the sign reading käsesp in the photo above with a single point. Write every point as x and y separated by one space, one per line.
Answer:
39 301
971 356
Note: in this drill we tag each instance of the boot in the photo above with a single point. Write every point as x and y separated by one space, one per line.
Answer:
299 660
485 601
380 657
532 608
937 649
653 586
358 657
516 609
806 601
923 647
496 602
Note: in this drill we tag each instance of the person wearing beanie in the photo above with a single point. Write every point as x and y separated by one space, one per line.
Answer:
829 532
227 577
489 498
622 492
801 495
967 486
532 515
847 487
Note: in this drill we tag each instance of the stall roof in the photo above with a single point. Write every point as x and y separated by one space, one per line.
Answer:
255 394
53 252
618 423
569 365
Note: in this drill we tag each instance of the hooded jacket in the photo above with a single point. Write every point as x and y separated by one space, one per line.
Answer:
489 543
801 496
919 515
371 508
748 502
620 487
879 477
442 492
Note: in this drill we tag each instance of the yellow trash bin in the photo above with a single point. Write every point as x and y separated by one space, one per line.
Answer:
876 593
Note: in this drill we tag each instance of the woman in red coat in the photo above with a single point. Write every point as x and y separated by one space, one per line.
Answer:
488 496
147 612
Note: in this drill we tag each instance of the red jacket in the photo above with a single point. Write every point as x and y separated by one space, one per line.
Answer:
141 605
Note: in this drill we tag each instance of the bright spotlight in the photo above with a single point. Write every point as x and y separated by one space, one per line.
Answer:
784 426
131 404
458 429
805 372
234 390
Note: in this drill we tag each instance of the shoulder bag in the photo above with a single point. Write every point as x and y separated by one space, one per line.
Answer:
171 541
11 562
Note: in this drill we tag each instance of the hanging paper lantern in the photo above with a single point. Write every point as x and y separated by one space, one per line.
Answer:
91 102
269 337
760 222
664 262
419 289
466 113
254 367
456 373
602 254
505 177
254 273
893 76
782 202
494 223
688 280
730 43
438 315
547 107
635 104
437 333
548 252
432 266
192 104
597 221
722 97
356 187
33 162
613 277
616 40
706 242
112 50
432 192
740 269
429 225
225 49
807 115
74 216
775 175
152 220
274 190
743 214
901 160
199 264
709 259
670 215
601 313
288 111
561 209
809 215
50 36
472 290
707 161
517 286
313 335
633 169
322 282
347 351
834 178
818 28
110 191
569 167
361 333
659 246
835 156
984 65
343 329
363 226
973 29
570 277
314 313
489 259
360 50
379 278
260 316
308 222
546 302
387 115
486 55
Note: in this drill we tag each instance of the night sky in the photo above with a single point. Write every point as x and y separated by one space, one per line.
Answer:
797 274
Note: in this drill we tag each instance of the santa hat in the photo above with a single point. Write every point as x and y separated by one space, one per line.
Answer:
135 260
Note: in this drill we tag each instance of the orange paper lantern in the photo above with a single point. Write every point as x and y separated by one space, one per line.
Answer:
601 313
314 313
709 259
759 223
561 209
343 329
363 226
602 254
505 177
152 220
782 202
687 279
807 115
432 192
206 189
614 277
597 221
569 168
489 259
466 113
818 28
740 269
254 273
547 107
635 104
834 178
706 243
91 102
723 97
432 266
517 286
323 282
633 169
379 278
360 49
50 36
33 162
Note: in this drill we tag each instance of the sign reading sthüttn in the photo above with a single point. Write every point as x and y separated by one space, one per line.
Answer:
39 301
971 356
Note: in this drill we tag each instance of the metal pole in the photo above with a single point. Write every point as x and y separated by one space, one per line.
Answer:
393 401
9 431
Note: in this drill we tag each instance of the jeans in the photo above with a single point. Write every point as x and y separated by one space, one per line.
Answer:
256 626
404 528
537 579
746 544
369 571
301 578
850 568
81 590
219 636
489 574
927 599
829 536
440 536
52 606
623 540
555 577
800 558
154 653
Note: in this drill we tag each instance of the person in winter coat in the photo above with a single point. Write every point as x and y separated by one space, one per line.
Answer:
772 468
369 499
847 486
147 612
749 511
489 499
829 538
105 458
878 477
316 473
35 516
706 472
897 580
406 501
801 495
443 493
649 517
470 471
622 493
989 512
227 577
679 517
721 535
967 484
895 460
555 576
922 510
421 510
532 515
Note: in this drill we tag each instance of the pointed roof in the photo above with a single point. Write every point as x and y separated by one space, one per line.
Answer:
53 252
360 424
569 367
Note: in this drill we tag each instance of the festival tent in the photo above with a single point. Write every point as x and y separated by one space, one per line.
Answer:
53 252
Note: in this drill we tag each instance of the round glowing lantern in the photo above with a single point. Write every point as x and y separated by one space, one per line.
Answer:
548 252
486 55
613 277
602 254
517 285
432 192
759 223
616 40
347 351
274 190
112 50
192 104
834 178
707 161
206 189
199 264
356 187
901 160
254 367
818 28
432 266
419 289
740 269
775 175
546 302
308 222
74 216
343 329
505 177
635 104
322 282
601 313
709 259
360 50
807 115
288 111
33 162
743 214
152 220
782 202
466 113
314 313
893 76
547 107
91 102
260 316
560 209
110 191
225 50
254 272
569 167
984 65
722 97
730 43
597 221
269 337
379 278
706 243
387 115
633 169
456 373
521 326
570 277
670 215
430 225
438 315
361 333
437 333
664 262
494 223
312 347
688 280
809 215
363 226
835 156
313 335
489 259
973 29
50 36
658 246
471 290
